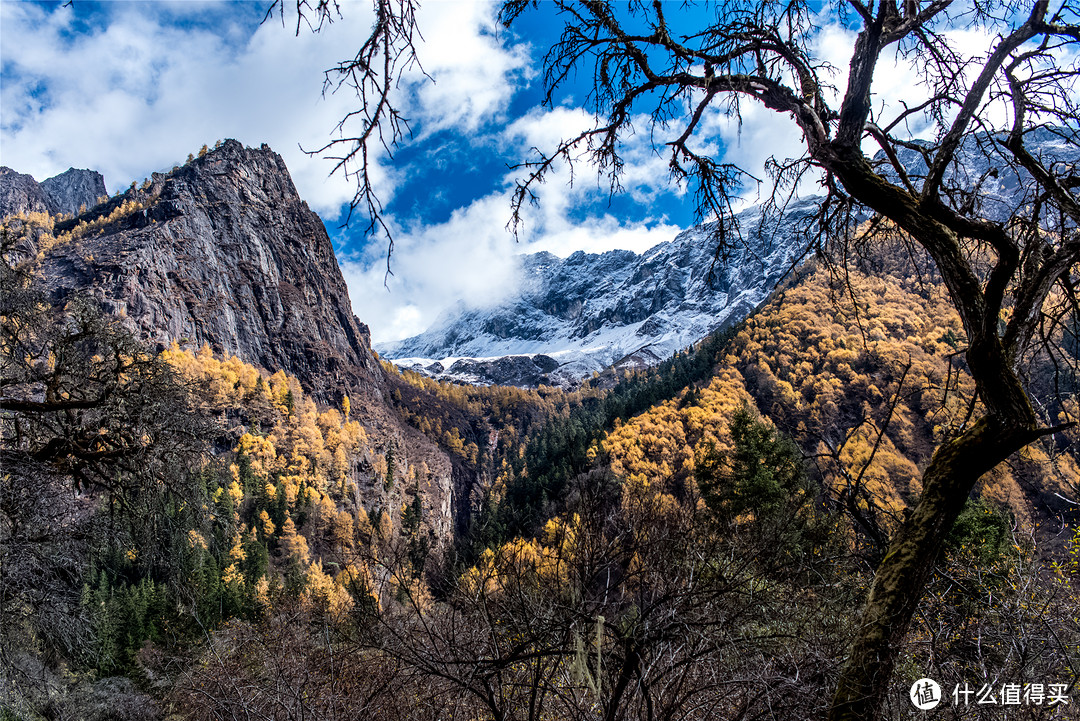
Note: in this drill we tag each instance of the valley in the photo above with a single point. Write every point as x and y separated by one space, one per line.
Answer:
219 499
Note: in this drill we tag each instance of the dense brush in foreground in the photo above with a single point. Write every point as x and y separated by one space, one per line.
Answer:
184 533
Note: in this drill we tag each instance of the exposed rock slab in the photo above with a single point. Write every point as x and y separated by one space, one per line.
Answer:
74 189
225 254
20 193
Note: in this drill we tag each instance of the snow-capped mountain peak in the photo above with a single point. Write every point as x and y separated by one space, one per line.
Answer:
579 314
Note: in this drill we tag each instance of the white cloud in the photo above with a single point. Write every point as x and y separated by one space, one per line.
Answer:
468 259
747 141
474 73
644 176
140 93
603 234
141 90
475 254
472 260
645 173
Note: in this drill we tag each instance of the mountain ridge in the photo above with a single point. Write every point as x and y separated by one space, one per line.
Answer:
74 190
69 192
588 311
223 252
591 311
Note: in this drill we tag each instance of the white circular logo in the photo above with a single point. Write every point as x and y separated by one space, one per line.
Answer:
925 694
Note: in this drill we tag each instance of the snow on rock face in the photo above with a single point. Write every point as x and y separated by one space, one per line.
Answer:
588 311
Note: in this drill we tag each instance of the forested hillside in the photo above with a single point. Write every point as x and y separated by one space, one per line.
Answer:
185 533
864 372
648 543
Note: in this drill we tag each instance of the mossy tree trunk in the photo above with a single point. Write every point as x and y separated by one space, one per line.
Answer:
999 272
905 570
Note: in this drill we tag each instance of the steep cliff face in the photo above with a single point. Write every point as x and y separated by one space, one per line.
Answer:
224 252
20 193
63 193
74 189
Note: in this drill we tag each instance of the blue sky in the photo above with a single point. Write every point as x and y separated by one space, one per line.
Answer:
129 88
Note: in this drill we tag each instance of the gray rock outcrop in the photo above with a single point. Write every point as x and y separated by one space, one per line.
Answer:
64 193
20 193
223 252
74 189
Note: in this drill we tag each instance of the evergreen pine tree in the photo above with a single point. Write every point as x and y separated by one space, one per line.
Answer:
388 483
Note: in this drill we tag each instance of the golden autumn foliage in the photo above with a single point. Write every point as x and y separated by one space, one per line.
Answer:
449 413
47 231
660 445
636 552
865 372
291 482
866 376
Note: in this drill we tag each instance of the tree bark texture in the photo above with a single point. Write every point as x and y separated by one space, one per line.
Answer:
906 568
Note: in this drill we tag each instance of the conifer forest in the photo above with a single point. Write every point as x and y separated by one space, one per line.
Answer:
857 497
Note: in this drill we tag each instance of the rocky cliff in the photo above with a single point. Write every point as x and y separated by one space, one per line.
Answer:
222 252
64 193
20 193
74 190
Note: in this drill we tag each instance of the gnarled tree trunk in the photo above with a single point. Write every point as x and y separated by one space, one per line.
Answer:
906 568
